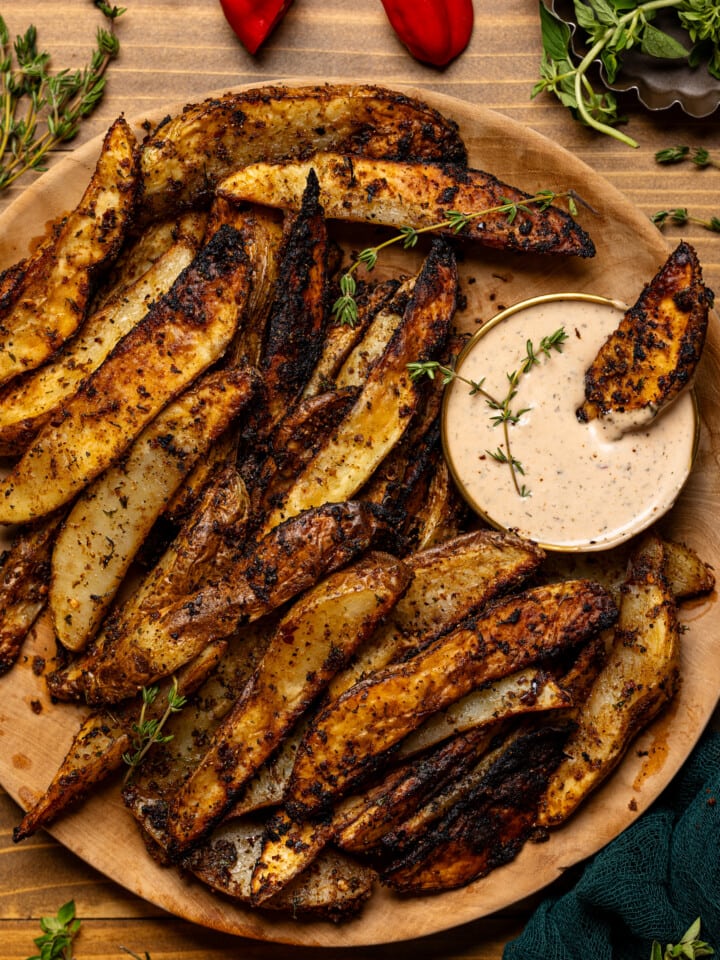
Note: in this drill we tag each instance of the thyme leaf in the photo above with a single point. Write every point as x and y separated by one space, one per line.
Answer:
147 730
40 109
503 414
345 307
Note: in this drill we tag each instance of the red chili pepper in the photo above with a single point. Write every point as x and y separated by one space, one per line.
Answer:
434 31
254 20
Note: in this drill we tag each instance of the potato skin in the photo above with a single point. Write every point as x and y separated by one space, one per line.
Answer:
187 155
652 355
355 732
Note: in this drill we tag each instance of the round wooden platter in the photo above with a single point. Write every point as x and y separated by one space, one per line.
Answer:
35 733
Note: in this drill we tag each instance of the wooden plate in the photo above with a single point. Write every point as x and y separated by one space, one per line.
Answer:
35 734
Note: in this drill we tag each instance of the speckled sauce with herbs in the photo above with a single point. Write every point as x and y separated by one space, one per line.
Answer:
588 487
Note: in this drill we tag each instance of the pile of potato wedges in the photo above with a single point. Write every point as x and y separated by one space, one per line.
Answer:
218 492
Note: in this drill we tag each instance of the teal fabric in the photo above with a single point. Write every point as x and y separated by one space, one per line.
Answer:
648 884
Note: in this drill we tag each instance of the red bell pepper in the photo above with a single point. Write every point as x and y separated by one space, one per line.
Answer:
254 20
434 31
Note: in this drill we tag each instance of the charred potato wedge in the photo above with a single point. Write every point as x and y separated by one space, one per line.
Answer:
350 735
108 524
182 334
419 195
652 355
638 679
50 301
186 156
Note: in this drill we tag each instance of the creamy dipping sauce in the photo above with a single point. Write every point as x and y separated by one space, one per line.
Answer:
589 486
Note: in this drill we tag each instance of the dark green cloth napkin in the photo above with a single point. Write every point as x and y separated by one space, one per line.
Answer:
649 884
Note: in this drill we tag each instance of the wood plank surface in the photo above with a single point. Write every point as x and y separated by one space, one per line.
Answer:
181 50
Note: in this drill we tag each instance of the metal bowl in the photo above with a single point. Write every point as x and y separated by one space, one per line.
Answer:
658 84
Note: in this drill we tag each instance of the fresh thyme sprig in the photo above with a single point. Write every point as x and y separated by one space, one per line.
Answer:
689 946
503 414
700 156
681 216
40 109
613 27
345 307
148 730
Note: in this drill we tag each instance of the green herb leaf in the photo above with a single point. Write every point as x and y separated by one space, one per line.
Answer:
657 43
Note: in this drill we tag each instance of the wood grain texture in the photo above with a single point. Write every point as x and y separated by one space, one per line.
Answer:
175 51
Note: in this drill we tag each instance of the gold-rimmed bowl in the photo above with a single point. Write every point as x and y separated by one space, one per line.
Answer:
568 485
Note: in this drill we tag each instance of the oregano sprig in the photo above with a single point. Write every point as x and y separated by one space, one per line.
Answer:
689 946
147 730
345 308
503 413
58 935
40 109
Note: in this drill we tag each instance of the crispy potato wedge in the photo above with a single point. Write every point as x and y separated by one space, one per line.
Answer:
341 338
354 371
51 301
287 849
26 403
639 678
108 524
206 541
527 691
652 356
387 401
314 639
24 578
184 158
687 575
106 739
419 195
488 828
334 887
290 559
359 822
449 582
182 334
142 251
350 735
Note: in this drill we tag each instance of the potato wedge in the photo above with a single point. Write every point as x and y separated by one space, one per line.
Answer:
639 678
449 582
202 546
142 251
521 693
24 578
386 403
354 371
351 734
287 561
334 887
489 827
27 403
314 639
652 356
182 334
687 575
359 822
418 195
186 156
51 301
109 522
105 739
341 338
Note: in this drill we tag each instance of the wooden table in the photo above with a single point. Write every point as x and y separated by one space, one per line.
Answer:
179 50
